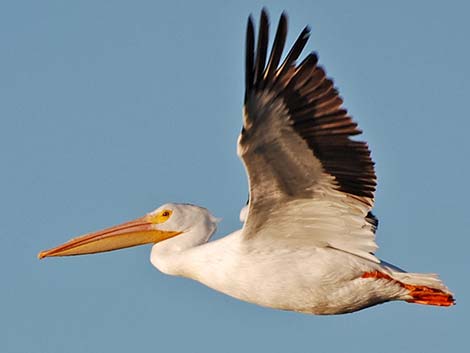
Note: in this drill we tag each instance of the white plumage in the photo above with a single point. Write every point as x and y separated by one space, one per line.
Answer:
309 277
308 238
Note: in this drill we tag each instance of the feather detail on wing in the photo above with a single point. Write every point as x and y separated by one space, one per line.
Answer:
310 183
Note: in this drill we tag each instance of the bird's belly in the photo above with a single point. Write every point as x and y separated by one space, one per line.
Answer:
318 281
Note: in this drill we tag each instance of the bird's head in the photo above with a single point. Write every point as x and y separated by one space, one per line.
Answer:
168 221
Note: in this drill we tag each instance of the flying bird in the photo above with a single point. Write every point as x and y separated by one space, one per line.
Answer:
308 238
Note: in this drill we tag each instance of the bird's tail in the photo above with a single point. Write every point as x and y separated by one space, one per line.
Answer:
419 288
424 288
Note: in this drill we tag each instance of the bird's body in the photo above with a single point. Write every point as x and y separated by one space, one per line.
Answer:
308 279
316 280
308 238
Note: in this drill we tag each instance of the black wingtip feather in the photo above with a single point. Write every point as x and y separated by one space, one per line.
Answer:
262 47
249 55
277 49
295 52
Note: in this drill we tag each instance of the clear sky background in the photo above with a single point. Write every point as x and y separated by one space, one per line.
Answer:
109 109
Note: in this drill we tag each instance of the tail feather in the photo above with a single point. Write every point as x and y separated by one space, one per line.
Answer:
421 288
424 288
429 296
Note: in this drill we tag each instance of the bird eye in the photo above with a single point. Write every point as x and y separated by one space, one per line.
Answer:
159 217
165 214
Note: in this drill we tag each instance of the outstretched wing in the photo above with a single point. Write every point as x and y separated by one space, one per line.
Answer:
310 183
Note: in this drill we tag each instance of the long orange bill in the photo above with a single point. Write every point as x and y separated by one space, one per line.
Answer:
137 232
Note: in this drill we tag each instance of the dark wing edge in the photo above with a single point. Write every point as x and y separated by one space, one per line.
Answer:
314 106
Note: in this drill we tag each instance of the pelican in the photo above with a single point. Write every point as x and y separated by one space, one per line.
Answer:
308 238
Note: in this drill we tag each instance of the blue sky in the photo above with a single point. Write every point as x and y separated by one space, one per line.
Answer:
110 109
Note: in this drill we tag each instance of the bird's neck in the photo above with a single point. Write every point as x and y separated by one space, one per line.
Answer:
171 256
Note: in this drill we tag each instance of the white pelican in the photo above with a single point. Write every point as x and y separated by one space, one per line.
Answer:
308 239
